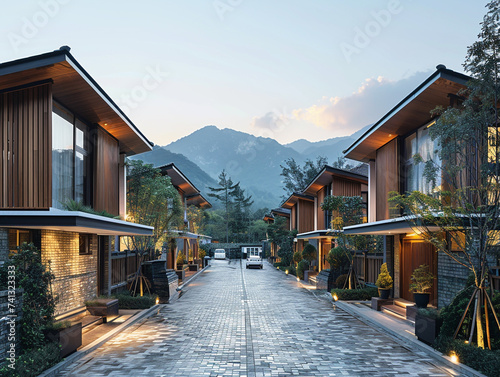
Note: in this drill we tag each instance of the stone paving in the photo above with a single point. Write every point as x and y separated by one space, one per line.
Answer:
236 322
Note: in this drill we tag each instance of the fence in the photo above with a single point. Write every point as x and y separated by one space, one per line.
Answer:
367 266
123 264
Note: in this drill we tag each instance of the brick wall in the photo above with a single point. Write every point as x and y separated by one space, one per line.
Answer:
4 244
75 274
7 327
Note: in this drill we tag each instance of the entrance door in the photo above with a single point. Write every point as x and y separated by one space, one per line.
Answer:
413 254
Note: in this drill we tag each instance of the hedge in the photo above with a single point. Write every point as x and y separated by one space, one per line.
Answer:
355 294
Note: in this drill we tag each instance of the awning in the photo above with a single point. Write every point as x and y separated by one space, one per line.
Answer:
187 235
72 221
399 225
317 234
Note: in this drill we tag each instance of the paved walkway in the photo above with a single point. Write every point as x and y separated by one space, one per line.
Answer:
236 322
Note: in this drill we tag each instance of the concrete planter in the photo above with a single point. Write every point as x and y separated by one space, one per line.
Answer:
426 328
105 309
69 338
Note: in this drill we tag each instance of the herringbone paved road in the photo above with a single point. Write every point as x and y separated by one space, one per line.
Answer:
237 322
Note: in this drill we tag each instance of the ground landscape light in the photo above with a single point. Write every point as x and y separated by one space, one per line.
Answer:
286 272
454 358
335 297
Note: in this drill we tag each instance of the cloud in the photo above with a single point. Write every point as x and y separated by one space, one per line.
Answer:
272 121
374 98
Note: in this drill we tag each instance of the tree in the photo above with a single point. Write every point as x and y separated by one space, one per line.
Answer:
223 194
463 209
151 200
309 253
296 178
342 164
240 213
283 238
257 231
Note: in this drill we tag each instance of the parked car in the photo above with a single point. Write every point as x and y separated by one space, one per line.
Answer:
255 261
220 254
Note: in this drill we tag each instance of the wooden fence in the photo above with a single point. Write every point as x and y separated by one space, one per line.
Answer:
367 266
123 264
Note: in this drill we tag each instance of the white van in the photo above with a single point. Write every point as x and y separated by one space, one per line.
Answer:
220 254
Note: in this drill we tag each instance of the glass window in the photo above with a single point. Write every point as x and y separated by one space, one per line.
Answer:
70 165
62 159
85 244
420 143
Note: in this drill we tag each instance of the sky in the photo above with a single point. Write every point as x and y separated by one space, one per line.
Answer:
285 69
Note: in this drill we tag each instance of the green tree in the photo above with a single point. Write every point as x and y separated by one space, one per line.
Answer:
151 200
257 231
223 194
463 208
309 253
240 213
283 238
296 178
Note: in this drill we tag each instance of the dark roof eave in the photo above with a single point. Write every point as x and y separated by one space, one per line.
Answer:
58 56
441 72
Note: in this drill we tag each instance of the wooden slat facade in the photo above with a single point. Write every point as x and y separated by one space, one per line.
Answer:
320 213
387 178
106 180
306 215
26 147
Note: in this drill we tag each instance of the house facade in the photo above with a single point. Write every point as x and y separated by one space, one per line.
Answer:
63 144
330 181
388 147
186 239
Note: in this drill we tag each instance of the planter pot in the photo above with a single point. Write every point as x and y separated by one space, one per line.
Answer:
427 329
421 299
106 309
384 293
69 338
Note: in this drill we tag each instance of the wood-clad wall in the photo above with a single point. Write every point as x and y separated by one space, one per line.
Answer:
343 187
26 148
306 216
293 217
387 170
106 185
320 212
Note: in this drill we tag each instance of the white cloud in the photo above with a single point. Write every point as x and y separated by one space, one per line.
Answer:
272 121
366 105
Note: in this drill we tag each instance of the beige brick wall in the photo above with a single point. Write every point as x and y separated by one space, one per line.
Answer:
75 274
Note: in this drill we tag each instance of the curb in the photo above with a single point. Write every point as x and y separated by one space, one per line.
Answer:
192 278
99 342
402 340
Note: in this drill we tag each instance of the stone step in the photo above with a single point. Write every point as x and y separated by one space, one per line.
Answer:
401 302
394 310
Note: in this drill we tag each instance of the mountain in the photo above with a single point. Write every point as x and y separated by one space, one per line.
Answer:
253 161
160 156
331 148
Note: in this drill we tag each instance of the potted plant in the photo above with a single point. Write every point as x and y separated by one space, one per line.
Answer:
427 324
421 282
384 282
68 335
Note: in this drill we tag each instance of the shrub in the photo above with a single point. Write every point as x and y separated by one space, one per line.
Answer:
355 294
202 254
297 256
384 280
421 279
125 301
291 269
33 362
309 253
301 267
181 258
482 360
38 302
337 259
340 282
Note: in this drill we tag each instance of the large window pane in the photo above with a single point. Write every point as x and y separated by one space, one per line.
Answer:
62 160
